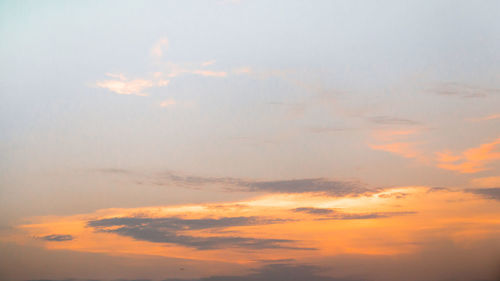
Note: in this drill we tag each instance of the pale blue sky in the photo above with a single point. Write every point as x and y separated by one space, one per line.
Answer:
322 78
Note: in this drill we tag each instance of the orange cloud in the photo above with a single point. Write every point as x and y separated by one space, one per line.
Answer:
395 141
489 117
404 149
472 160
387 135
486 182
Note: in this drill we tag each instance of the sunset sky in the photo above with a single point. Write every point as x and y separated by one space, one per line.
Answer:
250 140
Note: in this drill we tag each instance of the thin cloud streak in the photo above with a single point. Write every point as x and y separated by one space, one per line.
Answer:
331 214
159 48
472 160
57 237
462 90
172 230
312 185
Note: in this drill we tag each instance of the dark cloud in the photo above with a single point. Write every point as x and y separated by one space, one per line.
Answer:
462 90
57 237
315 211
87 280
308 185
490 193
168 230
317 185
311 185
275 272
390 120
331 214
276 260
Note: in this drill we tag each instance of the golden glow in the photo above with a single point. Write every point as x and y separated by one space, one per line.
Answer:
402 220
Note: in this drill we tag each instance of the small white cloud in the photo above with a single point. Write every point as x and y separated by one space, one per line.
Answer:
210 73
159 48
116 75
242 70
123 86
162 83
168 103
207 63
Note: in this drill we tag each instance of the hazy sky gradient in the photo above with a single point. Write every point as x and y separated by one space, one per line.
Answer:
361 113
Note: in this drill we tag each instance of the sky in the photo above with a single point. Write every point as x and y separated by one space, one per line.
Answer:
250 140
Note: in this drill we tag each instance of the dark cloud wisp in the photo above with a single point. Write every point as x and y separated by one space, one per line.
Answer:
490 193
275 272
57 237
331 214
171 230
325 186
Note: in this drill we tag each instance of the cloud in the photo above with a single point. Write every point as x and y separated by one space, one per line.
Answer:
462 90
396 142
391 135
275 272
72 279
168 230
488 117
243 70
472 160
309 185
317 185
123 86
490 193
57 237
405 149
209 73
120 84
486 181
330 214
314 211
168 103
389 120
207 63
159 48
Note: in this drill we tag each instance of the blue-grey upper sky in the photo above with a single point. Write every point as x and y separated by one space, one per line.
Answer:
124 104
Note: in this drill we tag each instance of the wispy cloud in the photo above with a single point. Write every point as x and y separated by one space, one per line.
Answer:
159 48
312 185
472 160
487 117
490 193
462 90
123 86
391 120
168 103
276 272
486 181
173 230
209 73
405 149
332 214
57 237
161 77
207 63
